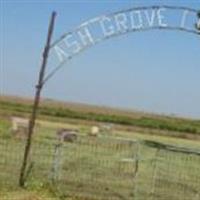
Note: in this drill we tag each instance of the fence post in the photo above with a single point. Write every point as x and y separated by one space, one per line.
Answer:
56 162
36 101
136 171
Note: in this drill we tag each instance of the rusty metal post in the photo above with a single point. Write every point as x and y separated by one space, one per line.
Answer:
39 86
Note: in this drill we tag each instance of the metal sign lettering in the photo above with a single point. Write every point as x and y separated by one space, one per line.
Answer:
104 27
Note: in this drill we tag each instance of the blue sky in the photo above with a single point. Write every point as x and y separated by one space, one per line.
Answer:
155 71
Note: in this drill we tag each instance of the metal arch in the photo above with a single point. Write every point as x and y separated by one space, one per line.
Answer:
105 38
122 11
96 19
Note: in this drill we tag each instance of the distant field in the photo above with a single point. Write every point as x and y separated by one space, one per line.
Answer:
178 127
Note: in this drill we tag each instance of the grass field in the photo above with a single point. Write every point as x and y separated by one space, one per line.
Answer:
102 167
62 111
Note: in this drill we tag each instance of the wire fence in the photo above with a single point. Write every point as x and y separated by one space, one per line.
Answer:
177 176
105 168
173 173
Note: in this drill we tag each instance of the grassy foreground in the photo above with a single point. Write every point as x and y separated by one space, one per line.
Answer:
95 161
95 167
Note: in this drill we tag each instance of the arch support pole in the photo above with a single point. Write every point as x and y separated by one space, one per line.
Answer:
39 87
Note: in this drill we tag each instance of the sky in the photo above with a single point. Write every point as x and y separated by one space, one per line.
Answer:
156 71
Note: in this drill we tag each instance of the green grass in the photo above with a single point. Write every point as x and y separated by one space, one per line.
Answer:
94 168
102 167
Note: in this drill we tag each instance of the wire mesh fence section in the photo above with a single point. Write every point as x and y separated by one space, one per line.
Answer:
98 168
104 168
38 174
11 155
144 178
176 176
